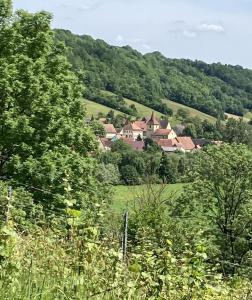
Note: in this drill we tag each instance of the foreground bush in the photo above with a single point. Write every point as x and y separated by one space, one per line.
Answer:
44 266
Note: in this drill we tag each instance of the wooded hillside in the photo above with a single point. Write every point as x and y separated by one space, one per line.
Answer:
210 88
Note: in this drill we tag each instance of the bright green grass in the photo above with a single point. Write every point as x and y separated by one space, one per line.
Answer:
124 196
94 108
143 110
193 112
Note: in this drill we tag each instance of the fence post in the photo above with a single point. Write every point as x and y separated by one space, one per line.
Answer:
9 204
125 235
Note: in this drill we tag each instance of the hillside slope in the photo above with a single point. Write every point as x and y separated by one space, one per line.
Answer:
210 88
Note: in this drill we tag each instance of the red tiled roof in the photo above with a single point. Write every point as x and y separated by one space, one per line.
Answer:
153 120
132 127
169 143
141 124
109 128
186 142
136 145
106 142
162 132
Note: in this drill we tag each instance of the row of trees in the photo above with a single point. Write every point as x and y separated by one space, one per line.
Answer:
126 166
232 131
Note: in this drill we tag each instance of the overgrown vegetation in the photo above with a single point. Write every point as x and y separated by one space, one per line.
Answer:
59 239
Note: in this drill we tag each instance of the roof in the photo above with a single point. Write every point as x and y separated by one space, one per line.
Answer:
153 120
162 132
136 145
164 123
141 124
109 128
186 142
132 127
169 143
106 142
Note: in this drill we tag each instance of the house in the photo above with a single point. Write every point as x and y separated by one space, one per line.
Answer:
135 145
170 145
186 142
105 144
132 131
163 134
110 131
143 125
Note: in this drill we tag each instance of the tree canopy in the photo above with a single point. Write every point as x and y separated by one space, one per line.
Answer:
44 144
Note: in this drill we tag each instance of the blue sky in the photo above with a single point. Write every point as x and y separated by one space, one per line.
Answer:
209 30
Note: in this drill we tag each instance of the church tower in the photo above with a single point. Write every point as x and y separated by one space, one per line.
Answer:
152 125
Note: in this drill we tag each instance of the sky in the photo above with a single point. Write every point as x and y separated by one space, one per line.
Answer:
207 30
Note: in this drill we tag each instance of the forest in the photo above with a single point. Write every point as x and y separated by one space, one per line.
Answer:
210 88
59 236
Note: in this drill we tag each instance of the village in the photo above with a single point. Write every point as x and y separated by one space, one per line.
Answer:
134 133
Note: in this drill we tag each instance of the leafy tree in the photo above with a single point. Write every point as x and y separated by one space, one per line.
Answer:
97 128
182 113
44 144
220 197
167 169
135 159
190 130
120 146
130 175
237 131
109 174
151 146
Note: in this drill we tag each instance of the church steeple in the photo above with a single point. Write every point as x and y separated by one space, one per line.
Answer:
153 120
152 125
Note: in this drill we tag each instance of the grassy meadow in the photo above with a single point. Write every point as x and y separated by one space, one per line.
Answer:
192 112
143 110
125 196
94 108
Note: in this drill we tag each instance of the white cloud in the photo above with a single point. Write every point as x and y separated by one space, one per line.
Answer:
211 27
189 34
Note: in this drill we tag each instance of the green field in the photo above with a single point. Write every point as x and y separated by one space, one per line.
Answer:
125 196
143 110
94 108
193 112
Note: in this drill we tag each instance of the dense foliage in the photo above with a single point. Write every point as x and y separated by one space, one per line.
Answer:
59 238
211 88
44 144
132 167
219 203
